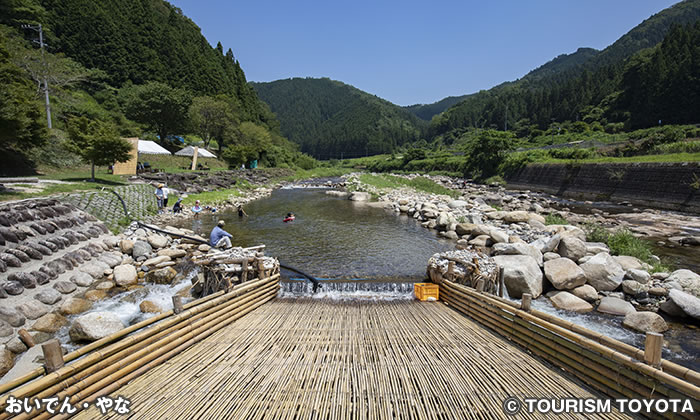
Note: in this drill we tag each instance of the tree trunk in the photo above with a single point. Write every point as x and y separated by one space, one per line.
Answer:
93 172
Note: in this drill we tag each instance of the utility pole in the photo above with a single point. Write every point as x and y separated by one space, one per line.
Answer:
39 29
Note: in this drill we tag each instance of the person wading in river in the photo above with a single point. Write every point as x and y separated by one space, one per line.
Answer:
219 238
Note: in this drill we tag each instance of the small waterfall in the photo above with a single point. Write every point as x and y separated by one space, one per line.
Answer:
351 289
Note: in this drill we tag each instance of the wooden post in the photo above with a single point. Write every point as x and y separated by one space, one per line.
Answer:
26 338
501 282
53 356
525 302
261 267
194 157
177 304
652 348
480 285
244 271
451 271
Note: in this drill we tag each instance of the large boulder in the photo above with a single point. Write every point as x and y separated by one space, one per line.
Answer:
640 276
518 216
7 360
603 272
33 309
498 235
359 196
48 296
457 204
572 248
157 241
688 281
95 268
521 274
161 276
156 260
564 274
689 304
82 279
74 305
632 287
644 322
518 248
141 249
172 253
464 228
12 316
126 246
148 306
627 262
49 323
568 302
65 287
125 275
95 325
586 292
615 306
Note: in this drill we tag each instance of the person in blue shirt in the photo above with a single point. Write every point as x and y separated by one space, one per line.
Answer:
219 238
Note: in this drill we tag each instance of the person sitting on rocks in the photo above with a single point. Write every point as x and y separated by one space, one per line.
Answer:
219 238
177 208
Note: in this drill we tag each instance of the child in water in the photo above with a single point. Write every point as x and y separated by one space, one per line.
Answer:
196 209
290 218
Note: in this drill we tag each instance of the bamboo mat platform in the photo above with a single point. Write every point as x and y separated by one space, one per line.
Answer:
312 358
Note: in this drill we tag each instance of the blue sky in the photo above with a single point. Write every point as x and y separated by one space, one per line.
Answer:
409 51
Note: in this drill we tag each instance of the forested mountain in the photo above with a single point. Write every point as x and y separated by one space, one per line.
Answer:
428 111
134 67
330 119
584 86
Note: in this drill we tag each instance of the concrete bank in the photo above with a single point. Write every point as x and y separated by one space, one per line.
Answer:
671 186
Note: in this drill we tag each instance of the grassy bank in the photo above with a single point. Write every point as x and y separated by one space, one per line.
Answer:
623 242
419 184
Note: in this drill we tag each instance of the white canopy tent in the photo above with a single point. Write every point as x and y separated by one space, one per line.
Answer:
189 151
148 147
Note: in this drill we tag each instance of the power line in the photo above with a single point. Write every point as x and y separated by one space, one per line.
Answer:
39 29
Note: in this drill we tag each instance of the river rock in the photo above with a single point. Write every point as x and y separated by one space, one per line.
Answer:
689 304
7 360
141 249
359 196
157 241
48 296
104 285
82 279
126 246
125 275
156 260
564 274
95 325
27 280
111 260
6 329
172 253
149 307
65 287
550 244
33 309
161 276
586 292
74 306
518 248
518 216
615 306
549 256
644 322
593 248
95 295
603 272
12 316
571 248
12 288
632 287
628 262
498 235
688 281
464 228
658 291
457 204
448 234
49 323
569 302
481 241
640 276
95 268
522 274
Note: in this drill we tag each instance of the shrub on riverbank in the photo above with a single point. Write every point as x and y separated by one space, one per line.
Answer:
623 242
418 183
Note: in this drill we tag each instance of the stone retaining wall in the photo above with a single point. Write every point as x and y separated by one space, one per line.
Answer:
673 186
139 198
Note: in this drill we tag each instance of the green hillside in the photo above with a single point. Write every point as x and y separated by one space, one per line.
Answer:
133 68
580 86
428 111
330 119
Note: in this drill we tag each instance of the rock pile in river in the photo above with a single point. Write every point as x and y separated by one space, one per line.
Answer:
536 258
